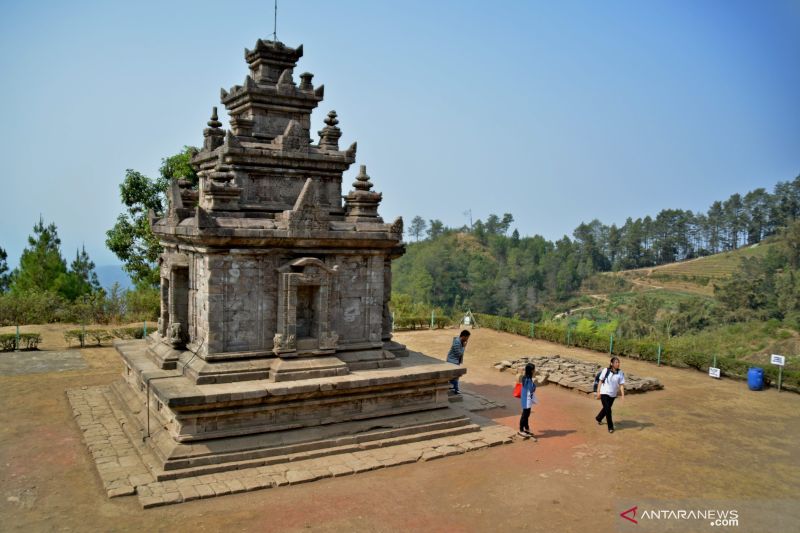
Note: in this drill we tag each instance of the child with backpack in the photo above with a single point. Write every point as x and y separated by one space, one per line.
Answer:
527 399
610 382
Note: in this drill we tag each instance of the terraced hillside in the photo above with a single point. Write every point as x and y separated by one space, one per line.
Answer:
695 276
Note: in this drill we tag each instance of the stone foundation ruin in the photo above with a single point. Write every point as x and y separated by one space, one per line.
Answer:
573 373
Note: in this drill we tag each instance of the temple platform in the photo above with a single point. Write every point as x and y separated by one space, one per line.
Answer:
191 427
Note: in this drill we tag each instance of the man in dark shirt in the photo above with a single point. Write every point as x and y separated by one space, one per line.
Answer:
456 355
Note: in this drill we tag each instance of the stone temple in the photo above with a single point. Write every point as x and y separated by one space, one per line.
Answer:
275 332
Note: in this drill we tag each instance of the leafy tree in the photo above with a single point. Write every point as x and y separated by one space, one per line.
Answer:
435 228
505 223
41 264
791 244
750 293
131 238
417 227
5 278
640 319
787 287
785 205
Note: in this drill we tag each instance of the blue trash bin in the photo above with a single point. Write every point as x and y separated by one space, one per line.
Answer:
755 378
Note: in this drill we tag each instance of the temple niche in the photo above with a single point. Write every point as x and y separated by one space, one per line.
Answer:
275 333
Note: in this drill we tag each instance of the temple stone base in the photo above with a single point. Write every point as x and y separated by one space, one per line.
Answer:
127 465
286 406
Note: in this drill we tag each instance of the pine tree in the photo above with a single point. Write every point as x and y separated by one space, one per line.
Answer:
82 279
5 278
417 227
41 263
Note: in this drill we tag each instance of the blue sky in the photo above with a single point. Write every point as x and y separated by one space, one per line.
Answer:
557 112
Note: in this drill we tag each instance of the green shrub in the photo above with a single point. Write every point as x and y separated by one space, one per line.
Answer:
27 341
74 335
84 336
697 360
98 335
8 342
134 332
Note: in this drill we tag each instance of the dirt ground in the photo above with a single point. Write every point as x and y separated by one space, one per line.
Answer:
699 439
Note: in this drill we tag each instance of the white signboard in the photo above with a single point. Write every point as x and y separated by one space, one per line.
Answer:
777 360
713 372
467 320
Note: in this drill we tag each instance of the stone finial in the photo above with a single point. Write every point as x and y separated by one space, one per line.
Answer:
305 81
213 135
329 135
362 182
331 119
361 204
214 121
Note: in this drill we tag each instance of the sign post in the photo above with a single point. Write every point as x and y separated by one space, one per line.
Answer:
780 361
713 371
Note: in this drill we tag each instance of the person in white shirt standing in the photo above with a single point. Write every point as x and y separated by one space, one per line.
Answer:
612 382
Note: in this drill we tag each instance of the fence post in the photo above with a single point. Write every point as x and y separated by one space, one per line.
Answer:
144 329
569 336
432 314
16 346
83 335
533 331
659 355
611 345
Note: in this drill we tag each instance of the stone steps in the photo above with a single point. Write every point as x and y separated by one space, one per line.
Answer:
285 455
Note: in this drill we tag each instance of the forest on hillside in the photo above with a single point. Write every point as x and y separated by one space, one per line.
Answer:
484 268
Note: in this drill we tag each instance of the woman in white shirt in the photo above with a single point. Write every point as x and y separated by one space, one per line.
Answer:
612 382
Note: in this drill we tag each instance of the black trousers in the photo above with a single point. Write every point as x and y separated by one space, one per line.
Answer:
605 412
523 420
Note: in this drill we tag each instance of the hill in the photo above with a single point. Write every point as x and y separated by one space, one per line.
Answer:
695 276
734 308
